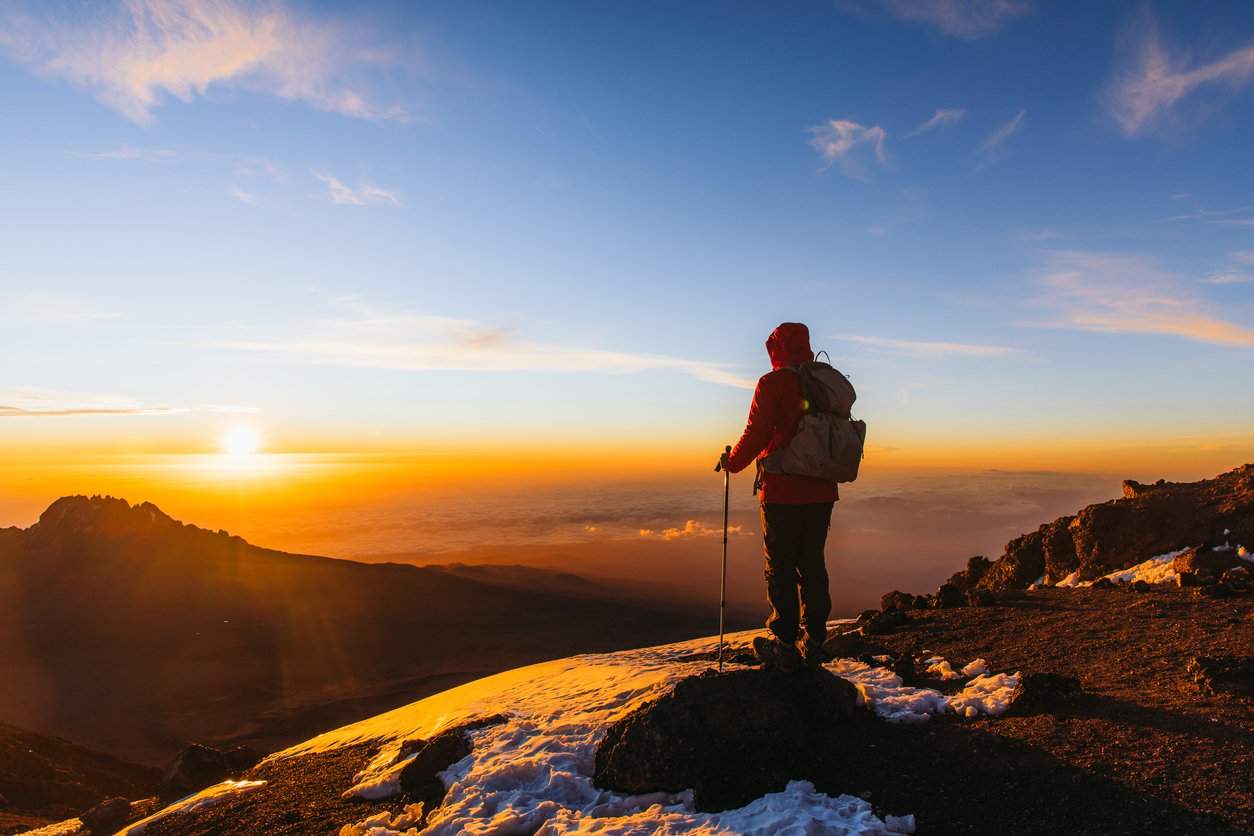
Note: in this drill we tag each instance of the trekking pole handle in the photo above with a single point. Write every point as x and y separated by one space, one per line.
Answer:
719 466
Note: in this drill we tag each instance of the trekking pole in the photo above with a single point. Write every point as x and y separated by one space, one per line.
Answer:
722 584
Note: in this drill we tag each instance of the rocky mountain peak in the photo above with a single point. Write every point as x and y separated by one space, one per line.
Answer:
103 514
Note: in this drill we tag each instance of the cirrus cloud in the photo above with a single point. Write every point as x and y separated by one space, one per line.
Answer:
837 140
1129 294
131 56
966 19
1153 80
367 338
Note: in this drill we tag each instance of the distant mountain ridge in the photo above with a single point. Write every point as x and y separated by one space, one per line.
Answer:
128 631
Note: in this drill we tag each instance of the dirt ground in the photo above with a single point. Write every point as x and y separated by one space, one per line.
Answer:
1145 748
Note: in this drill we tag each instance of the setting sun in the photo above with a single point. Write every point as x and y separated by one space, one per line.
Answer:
240 441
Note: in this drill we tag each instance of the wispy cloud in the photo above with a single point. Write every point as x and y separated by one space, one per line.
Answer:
132 56
966 19
943 118
1129 294
993 150
53 309
1152 80
130 152
1241 216
18 412
837 141
1239 269
371 339
45 404
243 196
364 193
916 348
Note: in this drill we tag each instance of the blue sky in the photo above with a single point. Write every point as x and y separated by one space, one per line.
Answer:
1026 230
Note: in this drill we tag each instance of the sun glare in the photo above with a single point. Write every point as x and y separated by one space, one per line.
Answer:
240 441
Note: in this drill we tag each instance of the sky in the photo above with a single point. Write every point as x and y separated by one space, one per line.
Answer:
430 248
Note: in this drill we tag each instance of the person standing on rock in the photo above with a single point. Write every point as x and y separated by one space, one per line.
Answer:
796 510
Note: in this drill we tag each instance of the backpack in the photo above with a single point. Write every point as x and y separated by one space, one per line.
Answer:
828 442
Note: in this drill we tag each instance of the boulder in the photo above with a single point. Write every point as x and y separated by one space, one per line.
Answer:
193 769
108 816
885 622
898 600
980 598
841 645
950 595
1230 675
730 737
1038 693
420 778
1216 560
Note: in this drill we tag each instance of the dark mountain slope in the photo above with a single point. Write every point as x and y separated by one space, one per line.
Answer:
125 630
47 778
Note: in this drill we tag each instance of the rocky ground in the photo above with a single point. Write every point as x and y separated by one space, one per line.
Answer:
1148 746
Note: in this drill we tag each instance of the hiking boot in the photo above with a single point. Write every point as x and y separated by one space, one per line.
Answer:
771 651
811 650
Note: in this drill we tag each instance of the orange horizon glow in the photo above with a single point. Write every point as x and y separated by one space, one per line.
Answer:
283 479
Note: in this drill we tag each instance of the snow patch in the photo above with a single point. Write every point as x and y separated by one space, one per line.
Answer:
884 692
192 803
69 827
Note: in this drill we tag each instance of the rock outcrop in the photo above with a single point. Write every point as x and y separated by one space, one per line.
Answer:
1149 520
731 737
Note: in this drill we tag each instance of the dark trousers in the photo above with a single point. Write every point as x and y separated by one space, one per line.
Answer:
796 573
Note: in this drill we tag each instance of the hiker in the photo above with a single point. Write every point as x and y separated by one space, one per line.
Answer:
796 510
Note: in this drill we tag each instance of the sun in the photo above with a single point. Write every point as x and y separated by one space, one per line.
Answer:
240 441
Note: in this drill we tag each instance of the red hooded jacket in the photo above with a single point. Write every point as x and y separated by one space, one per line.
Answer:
773 418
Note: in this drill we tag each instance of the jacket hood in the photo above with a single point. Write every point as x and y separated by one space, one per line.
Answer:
788 345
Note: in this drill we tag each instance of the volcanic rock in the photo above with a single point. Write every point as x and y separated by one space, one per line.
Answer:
114 814
898 600
1229 675
885 622
731 737
950 595
421 776
193 769
1148 521
1217 560
108 816
1039 693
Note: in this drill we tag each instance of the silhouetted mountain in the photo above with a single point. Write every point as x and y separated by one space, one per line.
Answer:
128 631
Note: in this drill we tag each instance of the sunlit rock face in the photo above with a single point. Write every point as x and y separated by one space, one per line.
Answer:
1150 520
